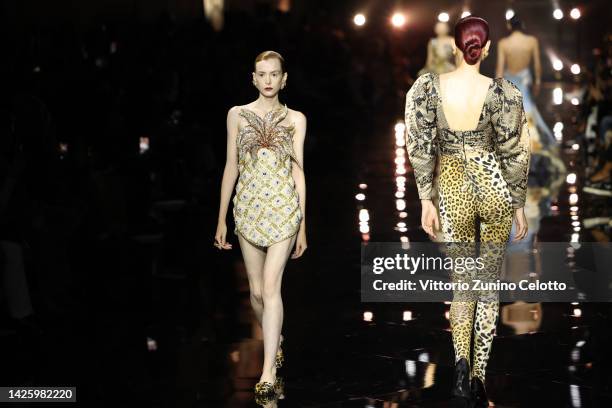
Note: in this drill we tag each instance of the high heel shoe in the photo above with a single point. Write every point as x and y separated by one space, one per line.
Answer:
479 394
265 392
461 380
280 356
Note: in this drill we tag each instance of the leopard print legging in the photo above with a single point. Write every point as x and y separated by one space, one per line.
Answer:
464 197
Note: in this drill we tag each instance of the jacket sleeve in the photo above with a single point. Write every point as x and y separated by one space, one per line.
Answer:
512 140
421 129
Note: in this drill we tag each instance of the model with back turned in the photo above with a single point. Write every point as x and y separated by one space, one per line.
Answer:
476 127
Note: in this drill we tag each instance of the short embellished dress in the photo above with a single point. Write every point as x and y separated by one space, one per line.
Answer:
266 203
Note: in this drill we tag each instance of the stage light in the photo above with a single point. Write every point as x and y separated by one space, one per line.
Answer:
465 14
368 316
557 96
360 197
575 68
443 17
359 19
509 14
573 198
571 178
575 101
364 228
558 14
363 186
364 215
575 13
398 20
400 127
557 64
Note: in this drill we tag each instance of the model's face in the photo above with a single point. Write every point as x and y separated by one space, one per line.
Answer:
441 28
269 77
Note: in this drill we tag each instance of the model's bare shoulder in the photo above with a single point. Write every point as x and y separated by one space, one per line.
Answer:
533 40
234 111
296 116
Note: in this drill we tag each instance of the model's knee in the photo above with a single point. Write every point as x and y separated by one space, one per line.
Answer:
271 292
257 297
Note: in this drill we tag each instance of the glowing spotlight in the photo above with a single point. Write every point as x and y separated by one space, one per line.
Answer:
466 13
398 20
575 13
573 198
577 312
558 14
364 215
557 64
575 68
557 96
443 17
359 19
360 197
575 101
509 14
407 315
571 178
368 316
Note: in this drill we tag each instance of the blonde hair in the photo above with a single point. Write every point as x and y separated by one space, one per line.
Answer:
266 55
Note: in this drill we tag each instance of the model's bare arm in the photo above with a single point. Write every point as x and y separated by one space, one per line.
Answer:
501 60
230 174
537 62
537 65
300 179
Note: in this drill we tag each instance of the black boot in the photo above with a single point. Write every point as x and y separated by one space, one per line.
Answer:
461 379
479 395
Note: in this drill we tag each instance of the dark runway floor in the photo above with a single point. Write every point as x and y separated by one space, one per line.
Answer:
203 346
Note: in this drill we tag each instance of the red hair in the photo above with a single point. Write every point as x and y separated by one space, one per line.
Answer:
471 35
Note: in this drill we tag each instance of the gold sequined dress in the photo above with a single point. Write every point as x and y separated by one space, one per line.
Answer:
266 203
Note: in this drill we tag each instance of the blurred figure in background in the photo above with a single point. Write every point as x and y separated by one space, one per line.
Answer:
440 57
515 54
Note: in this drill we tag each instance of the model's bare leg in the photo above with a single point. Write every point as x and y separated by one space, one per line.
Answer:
254 259
276 259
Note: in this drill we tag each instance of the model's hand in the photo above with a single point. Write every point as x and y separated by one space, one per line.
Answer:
429 218
300 244
220 237
521 224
